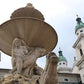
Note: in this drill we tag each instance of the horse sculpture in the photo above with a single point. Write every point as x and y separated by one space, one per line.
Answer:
49 75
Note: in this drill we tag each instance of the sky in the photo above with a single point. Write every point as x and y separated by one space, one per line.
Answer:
60 14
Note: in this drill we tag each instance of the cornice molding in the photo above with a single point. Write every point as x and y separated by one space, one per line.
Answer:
80 61
77 41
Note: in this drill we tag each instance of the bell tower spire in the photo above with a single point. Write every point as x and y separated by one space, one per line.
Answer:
79 46
79 27
62 64
60 52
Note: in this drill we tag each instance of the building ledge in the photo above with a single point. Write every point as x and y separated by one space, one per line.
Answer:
77 41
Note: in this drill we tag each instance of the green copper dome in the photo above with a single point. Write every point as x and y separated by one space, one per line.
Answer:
61 57
79 25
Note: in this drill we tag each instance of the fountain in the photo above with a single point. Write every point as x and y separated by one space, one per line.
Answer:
27 37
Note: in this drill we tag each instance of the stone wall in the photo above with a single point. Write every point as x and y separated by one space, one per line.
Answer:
4 71
63 78
68 78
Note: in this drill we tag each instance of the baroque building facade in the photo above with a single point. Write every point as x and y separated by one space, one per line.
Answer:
65 73
74 75
78 66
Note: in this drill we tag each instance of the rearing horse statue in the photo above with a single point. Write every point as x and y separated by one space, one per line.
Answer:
49 75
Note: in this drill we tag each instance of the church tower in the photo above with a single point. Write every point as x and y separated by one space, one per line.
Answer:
79 47
62 64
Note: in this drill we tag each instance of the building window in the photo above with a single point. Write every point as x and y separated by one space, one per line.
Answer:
80 82
59 63
81 30
81 52
66 80
63 63
77 33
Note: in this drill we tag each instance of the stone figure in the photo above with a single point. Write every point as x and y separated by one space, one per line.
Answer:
39 39
30 61
19 50
24 58
37 70
31 73
49 75
25 67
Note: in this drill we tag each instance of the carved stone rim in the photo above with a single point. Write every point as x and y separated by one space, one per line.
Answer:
39 34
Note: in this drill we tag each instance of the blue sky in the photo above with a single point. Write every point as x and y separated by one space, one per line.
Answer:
60 14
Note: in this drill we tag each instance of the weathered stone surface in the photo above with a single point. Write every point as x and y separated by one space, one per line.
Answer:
29 38
24 58
19 79
34 32
28 11
48 76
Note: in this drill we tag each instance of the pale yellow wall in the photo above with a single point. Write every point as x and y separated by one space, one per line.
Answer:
71 78
75 69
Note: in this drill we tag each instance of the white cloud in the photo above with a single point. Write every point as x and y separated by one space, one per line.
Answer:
5 61
47 7
50 7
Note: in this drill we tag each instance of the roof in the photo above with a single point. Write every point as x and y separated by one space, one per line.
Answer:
61 57
79 25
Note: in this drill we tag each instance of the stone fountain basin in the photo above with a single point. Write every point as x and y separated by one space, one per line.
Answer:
34 32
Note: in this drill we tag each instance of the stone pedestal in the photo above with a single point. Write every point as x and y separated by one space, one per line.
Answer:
19 79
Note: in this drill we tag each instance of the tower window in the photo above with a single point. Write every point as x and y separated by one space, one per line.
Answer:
66 80
81 30
77 33
63 63
81 52
59 63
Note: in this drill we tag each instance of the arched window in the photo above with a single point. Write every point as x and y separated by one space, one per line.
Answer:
59 63
66 80
63 63
81 30
77 33
81 52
